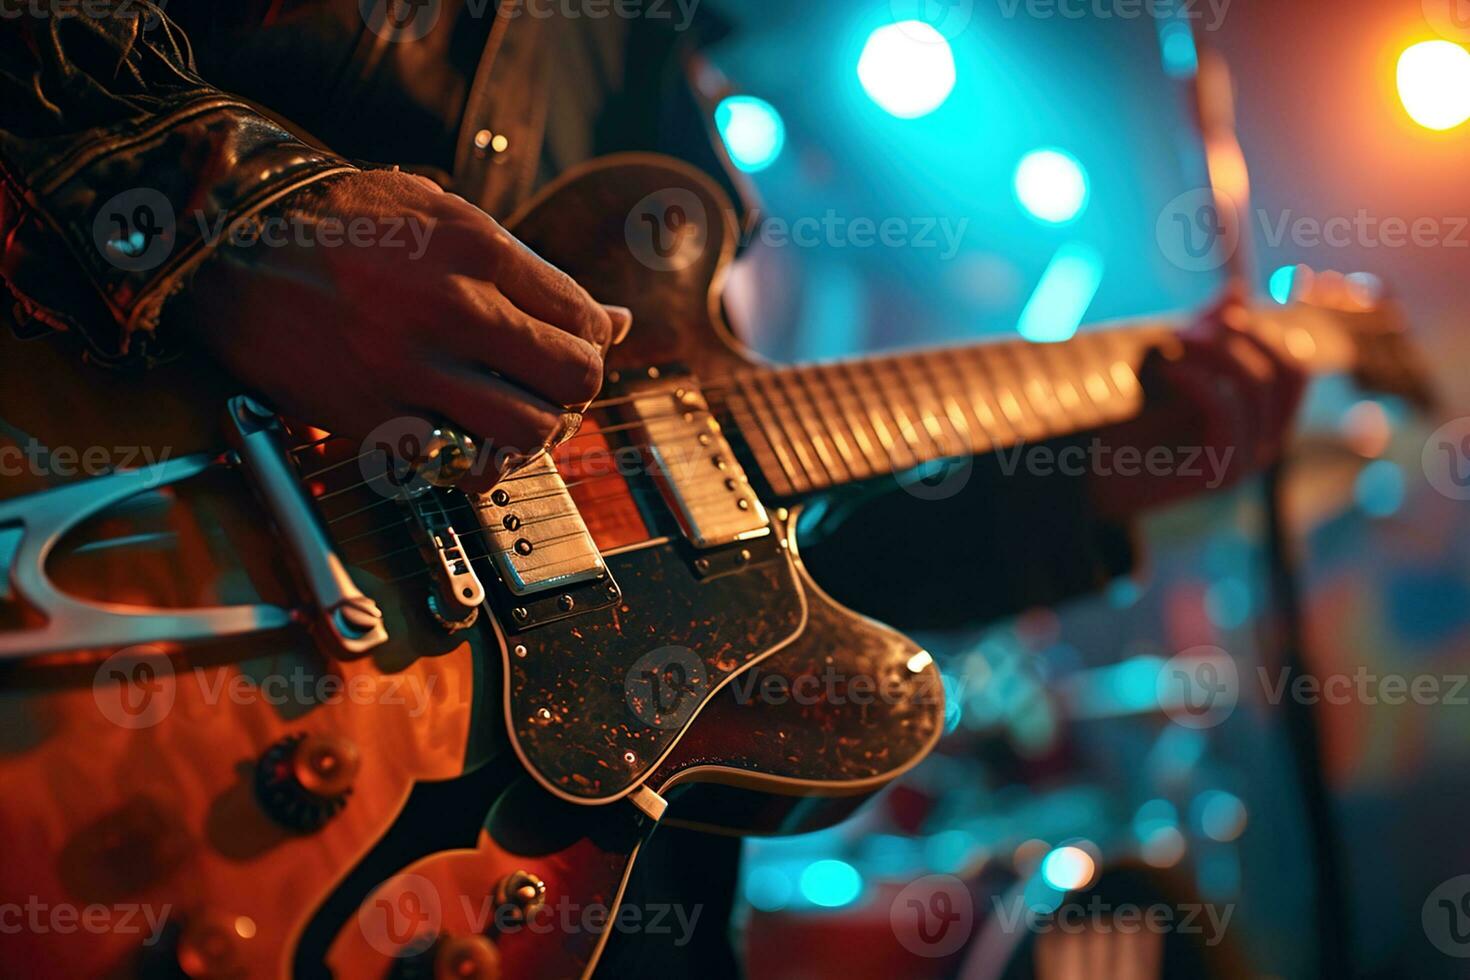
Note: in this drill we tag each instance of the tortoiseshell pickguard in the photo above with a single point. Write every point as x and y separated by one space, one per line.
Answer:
580 719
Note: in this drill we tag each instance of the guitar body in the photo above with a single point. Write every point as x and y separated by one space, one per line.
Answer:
139 778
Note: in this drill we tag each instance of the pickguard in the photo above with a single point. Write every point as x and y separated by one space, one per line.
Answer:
596 701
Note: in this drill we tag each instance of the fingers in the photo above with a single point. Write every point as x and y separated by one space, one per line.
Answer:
494 334
488 252
503 420
622 323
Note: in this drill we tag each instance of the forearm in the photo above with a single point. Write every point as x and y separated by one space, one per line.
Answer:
121 169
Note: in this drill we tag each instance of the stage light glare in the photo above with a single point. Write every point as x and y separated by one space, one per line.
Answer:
1052 186
753 131
1434 84
1282 282
831 884
1068 868
907 68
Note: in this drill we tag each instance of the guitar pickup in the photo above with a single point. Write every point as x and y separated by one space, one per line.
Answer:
538 540
696 471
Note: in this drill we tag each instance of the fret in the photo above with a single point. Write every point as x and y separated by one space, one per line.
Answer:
772 461
1094 367
782 410
970 399
931 408
975 438
836 419
922 420
1013 404
795 394
902 427
882 437
1067 373
867 447
1037 386
770 427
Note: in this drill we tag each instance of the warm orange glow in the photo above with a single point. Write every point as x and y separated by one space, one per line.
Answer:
1434 84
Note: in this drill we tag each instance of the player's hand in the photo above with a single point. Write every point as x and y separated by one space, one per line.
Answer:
429 309
1224 399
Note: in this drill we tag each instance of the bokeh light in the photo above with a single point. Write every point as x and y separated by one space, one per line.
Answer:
1068 868
831 883
1434 84
907 68
753 131
1052 186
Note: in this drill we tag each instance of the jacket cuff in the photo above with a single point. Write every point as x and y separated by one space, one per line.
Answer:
136 209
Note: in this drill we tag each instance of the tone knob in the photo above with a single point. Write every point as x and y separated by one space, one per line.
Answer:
304 780
467 958
214 947
521 893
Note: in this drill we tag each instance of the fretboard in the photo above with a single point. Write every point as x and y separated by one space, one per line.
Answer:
812 427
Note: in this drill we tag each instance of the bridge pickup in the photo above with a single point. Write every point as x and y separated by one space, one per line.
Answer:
537 538
696 471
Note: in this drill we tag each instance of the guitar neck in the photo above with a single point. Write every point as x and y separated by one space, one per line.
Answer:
813 427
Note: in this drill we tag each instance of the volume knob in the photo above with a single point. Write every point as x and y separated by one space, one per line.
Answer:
303 781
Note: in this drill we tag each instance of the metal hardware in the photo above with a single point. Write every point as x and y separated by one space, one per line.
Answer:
30 528
458 593
547 545
348 619
520 893
696 470
649 803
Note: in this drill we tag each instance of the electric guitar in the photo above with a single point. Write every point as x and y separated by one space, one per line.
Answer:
275 707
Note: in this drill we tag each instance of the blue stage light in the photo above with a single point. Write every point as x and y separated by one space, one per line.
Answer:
1282 282
907 68
753 131
831 884
1066 290
1052 186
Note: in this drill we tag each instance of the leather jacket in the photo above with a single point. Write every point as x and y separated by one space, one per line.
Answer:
132 139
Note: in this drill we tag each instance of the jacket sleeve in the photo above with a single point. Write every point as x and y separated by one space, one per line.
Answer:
121 170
